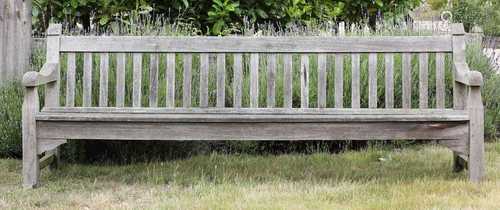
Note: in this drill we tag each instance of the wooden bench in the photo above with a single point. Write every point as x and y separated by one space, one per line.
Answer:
224 112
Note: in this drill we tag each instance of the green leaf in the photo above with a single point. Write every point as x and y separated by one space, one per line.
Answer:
104 20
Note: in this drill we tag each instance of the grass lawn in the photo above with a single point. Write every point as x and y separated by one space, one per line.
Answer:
418 177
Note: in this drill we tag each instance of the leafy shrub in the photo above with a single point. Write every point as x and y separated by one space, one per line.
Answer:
11 95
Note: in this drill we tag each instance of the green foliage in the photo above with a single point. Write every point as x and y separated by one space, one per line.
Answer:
11 96
437 4
484 13
221 13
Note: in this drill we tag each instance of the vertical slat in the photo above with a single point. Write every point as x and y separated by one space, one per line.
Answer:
221 79
389 80
70 80
339 80
254 80
372 80
137 80
440 94
322 80
287 80
87 79
355 85
53 44
237 80
271 80
103 80
304 80
423 78
120 79
153 80
406 80
186 87
204 80
170 77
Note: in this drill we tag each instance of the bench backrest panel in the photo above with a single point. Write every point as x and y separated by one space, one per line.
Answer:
289 72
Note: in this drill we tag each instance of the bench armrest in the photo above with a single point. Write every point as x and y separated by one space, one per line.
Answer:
467 77
46 75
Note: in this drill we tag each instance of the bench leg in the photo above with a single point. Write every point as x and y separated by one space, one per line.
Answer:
476 135
31 167
55 163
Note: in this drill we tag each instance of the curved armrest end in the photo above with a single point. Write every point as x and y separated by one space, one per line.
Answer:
475 78
48 74
30 78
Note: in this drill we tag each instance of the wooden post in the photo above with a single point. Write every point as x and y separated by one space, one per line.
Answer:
31 168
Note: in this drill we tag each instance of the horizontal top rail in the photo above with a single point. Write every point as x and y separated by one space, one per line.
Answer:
309 44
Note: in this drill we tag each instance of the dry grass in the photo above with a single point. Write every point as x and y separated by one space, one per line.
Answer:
418 177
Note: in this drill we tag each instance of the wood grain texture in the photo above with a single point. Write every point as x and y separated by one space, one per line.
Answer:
186 79
52 89
87 79
271 80
221 80
304 80
355 83
71 80
204 66
440 85
287 80
137 80
237 79
103 79
339 80
120 79
254 80
322 76
389 80
31 169
476 135
372 80
256 44
153 80
423 80
170 77
406 77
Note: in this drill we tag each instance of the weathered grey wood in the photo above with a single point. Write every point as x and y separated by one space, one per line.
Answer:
103 80
256 44
53 44
254 80
120 79
355 84
48 74
87 79
476 134
339 80
440 85
406 77
251 130
237 79
372 80
423 80
46 160
462 73
187 77
153 80
304 80
271 80
458 146
170 77
71 80
322 80
137 80
287 80
221 80
213 110
31 169
204 65
389 80
48 145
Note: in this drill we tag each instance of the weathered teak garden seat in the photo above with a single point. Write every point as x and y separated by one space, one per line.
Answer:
224 111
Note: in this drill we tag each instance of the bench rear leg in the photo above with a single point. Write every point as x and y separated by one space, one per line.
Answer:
459 164
31 167
476 135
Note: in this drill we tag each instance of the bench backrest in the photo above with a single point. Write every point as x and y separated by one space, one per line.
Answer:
289 72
